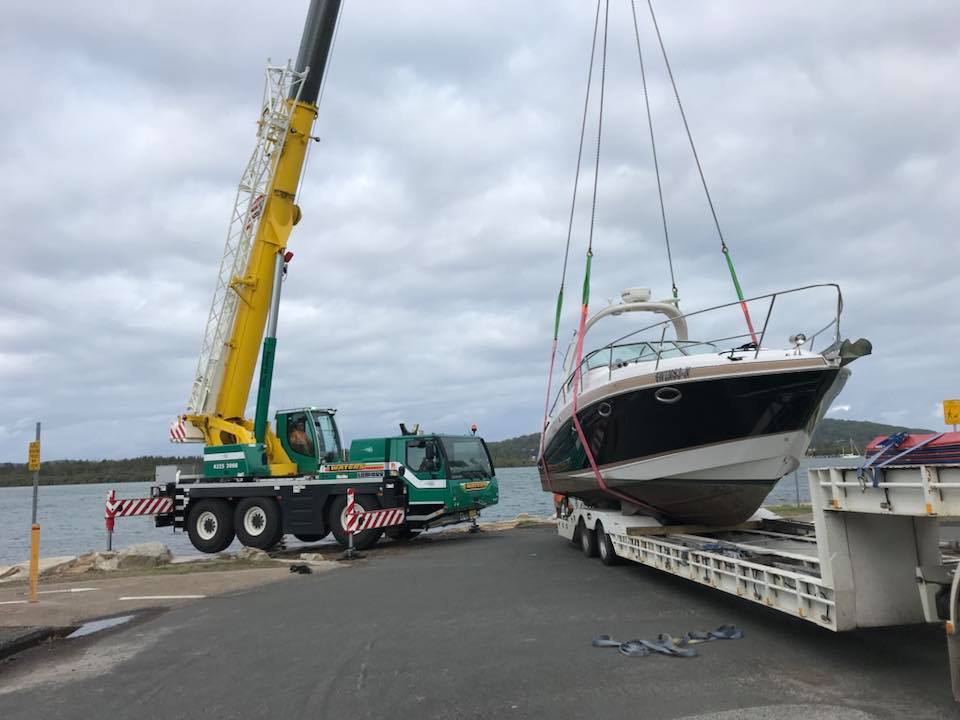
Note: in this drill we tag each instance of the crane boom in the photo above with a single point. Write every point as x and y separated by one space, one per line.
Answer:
263 216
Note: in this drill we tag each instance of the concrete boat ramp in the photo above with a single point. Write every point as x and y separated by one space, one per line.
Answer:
464 626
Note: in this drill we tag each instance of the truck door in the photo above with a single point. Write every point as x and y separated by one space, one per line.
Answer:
300 440
425 460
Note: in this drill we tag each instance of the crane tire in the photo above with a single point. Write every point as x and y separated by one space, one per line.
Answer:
311 538
336 517
401 534
210 525
257 522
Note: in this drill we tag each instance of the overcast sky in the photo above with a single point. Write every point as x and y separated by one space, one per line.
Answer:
435 206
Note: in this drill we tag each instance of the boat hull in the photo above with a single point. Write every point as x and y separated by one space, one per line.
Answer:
711 456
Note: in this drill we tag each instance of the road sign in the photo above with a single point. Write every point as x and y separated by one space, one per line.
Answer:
33 456
951 412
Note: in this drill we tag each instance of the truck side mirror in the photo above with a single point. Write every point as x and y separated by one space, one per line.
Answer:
431 451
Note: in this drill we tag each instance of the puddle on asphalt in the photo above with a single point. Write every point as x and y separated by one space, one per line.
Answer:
93 626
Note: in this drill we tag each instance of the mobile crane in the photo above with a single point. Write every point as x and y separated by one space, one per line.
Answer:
261 481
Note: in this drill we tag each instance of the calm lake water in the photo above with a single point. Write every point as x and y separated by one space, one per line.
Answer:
71 516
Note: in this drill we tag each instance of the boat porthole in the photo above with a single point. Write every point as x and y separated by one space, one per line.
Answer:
668 395
604 409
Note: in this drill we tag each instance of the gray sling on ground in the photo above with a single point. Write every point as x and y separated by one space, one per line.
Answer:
668 645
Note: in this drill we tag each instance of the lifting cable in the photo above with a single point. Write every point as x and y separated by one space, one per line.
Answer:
585 302
566 252
723 245
653 147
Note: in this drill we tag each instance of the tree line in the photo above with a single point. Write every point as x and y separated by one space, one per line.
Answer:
832 437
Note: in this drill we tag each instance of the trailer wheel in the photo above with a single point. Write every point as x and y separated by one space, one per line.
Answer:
588 540
337 518
210 525
257 522
608 555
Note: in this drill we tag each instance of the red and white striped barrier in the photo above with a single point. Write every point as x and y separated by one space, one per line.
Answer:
178 430
360 520
131 507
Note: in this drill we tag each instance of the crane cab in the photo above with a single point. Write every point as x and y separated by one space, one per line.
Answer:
310 437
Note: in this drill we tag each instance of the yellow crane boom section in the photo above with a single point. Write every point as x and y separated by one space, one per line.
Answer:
280 213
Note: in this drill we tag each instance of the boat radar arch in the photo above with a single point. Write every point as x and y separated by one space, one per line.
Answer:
634 300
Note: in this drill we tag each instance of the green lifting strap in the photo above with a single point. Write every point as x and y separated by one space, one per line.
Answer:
736 285
556 320
586 279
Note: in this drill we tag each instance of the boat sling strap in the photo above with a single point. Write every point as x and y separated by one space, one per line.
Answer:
665 644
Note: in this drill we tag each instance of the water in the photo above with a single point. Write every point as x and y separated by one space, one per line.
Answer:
93 626
71 516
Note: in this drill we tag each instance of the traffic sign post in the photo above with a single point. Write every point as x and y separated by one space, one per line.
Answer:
951 413
33 464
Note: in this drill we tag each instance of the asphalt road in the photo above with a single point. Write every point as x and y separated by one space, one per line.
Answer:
488 626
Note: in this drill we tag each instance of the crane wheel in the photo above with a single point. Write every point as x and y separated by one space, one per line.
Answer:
401 534
588 540
337 518
257 522
312 538
608 555
210 525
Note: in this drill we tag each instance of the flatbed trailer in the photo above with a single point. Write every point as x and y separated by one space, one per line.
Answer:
872 556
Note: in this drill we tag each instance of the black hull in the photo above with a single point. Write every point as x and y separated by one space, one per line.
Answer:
635 426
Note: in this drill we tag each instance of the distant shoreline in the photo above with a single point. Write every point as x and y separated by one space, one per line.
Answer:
111 477
831 439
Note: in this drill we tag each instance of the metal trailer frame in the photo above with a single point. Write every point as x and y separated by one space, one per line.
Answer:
872 545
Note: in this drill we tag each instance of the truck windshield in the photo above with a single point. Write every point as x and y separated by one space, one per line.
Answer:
467 458
328 440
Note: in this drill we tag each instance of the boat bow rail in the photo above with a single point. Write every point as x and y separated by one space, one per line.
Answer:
651 343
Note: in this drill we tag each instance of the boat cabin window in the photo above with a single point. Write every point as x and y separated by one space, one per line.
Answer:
328 439
423 456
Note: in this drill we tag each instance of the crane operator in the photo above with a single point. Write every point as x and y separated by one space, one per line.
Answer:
299 440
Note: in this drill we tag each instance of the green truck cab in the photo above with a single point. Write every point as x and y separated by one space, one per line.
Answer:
449 478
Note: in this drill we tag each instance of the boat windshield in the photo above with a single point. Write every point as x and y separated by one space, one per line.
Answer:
646 351
467 458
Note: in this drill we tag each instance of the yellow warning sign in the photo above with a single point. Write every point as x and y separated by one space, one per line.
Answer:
951 412
33 456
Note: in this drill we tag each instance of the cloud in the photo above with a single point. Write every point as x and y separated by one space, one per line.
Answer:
839 409
435 206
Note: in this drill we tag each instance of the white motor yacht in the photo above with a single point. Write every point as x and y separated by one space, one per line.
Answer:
688 430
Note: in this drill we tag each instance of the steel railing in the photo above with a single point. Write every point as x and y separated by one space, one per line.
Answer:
657 346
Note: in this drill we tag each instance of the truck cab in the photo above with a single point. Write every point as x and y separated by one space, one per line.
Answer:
449 478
